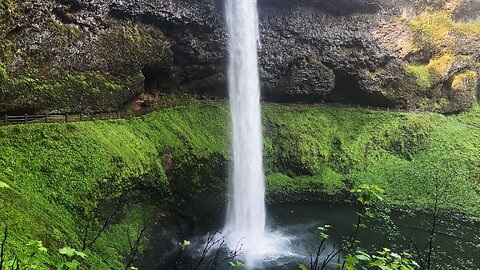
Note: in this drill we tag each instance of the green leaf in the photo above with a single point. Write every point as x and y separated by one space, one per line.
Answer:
395 255
302 267
4 185
72 265
185 244
70 252
362 256
40 246
80 254
236 264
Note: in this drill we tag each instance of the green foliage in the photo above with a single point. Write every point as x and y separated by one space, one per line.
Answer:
4 185
59 173
327 180
33 257
70 262
341 148
432 29
323 231
408 139
183 245
384 260
422 75
236 265
368 194
470 118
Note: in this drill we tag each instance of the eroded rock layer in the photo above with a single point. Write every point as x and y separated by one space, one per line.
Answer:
96 55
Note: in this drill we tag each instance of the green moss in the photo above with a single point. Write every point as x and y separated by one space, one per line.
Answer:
432 29
465 81
437 68
8 14
59 173
55 89
134 45
380 148
435 31
40 84
327 182
422 75
441 66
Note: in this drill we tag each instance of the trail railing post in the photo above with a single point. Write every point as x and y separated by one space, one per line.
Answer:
46 117
66 117
26 118
6 119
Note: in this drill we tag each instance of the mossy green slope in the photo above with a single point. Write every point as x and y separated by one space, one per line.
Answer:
54 175
59 173
331 149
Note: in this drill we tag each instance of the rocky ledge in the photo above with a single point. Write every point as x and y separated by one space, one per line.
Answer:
97 55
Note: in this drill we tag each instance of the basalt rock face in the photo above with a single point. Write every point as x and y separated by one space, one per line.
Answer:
97 55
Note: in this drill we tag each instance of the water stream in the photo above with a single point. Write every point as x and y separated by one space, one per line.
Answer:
246 210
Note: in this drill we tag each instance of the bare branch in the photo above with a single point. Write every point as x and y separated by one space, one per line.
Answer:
2 248
134 249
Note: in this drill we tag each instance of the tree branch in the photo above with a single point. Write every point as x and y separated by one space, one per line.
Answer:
135 247
2 251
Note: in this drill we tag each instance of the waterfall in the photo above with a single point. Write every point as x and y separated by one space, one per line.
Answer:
246 209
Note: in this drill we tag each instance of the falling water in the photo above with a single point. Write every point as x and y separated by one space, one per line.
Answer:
246 210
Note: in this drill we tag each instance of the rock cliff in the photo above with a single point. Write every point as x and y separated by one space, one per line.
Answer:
96 55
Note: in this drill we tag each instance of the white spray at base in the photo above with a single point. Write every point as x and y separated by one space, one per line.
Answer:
245 223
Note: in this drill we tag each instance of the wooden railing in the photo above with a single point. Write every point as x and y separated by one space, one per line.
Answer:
57 118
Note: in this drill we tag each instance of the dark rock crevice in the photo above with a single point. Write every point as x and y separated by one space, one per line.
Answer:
158 78
348 91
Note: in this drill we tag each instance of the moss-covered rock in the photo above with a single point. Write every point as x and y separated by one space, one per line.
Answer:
8 14
360 52
48 65
446 49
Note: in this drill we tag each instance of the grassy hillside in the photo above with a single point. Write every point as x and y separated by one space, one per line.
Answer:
54 177
409 155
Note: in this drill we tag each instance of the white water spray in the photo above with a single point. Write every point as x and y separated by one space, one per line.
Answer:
246 210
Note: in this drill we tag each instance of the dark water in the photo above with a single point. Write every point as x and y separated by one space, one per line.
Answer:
456 245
